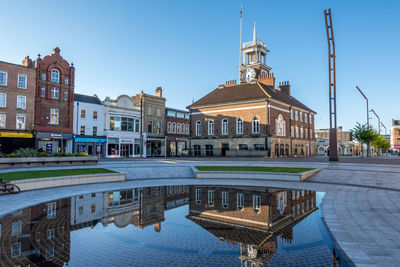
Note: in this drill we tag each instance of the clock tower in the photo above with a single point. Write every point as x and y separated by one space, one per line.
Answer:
254 64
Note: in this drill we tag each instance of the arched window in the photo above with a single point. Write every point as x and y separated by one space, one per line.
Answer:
239 126
224 127
168 127
55 76
210 127
280 126
282 201
173 127
256 125
178 128
187 128
198 128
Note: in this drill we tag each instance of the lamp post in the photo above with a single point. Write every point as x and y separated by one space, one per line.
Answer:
384 127
367 115
379 120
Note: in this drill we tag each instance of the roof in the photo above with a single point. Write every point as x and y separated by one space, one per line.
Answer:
246 92
177 110
87 99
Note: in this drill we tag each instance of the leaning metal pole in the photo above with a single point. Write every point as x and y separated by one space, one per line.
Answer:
366 99
333 144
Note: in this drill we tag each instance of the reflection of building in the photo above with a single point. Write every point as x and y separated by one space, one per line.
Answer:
347 147
253 217
176 196
122 127
89 125
153 112
177 131
17 105
86 209
253 118
395 135
38 235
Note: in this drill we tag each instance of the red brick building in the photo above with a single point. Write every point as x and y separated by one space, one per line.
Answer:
177 131
17 103
253 118
54 102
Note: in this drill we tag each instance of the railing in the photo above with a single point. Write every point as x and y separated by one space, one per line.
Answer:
253 43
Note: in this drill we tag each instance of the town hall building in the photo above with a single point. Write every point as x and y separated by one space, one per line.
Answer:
254 117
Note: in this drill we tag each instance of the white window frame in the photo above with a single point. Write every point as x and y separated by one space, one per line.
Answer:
210 127
173 127
296 115
240 201
257 203
301 133
198 128
3 121
5 100
224 127
25 82
21 104
51 210
297 132
306 117
65 95
43 76
55 76
301 116
82 128
16 121
168 127
43 91
187 128
94 130
198 195
255 125
51 233
16 228
291 114
66 81
49 253
280 126
6 78
15 249
55 92
210 198
239 126
56 113
225 199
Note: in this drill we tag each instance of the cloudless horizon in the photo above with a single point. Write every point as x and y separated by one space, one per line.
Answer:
189 47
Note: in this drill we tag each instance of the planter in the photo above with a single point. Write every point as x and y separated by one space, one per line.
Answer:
6 163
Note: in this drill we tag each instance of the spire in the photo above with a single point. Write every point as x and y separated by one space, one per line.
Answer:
254 32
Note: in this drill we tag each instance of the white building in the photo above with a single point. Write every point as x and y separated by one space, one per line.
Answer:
86 208
89 125
122 127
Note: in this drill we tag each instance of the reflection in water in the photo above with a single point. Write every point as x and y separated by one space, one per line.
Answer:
252 221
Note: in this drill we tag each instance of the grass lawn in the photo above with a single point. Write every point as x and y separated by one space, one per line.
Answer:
12 176
252 169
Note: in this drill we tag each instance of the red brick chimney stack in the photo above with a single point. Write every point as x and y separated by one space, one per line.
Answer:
267 79
284 87
231 82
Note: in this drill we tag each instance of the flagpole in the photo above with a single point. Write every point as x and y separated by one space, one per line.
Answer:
240 46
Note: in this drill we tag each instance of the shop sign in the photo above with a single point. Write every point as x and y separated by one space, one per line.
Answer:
16 135
396 146
56 135
90 140
126 141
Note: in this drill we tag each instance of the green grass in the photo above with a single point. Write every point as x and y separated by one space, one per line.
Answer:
252 169
12 176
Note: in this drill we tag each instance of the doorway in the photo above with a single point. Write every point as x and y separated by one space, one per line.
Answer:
90 150
224 148
124 150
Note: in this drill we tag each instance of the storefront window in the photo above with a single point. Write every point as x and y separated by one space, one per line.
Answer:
137 147
113 147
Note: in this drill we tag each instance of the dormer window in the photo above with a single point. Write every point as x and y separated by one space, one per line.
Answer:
55 76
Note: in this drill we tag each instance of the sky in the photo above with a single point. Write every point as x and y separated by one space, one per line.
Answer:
190 47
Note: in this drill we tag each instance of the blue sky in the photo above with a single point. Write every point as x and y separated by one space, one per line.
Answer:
189 47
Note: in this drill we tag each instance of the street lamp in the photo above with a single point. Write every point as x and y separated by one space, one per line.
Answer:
379 120
384 127
367 114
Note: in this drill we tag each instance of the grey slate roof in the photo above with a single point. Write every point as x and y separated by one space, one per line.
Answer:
87 99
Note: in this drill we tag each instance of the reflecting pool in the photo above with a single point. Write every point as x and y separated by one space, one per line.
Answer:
172 226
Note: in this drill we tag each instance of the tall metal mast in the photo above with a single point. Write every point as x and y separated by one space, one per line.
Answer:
240 47
333 144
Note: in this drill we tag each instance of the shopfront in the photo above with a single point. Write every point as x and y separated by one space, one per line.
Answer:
11 141
176 146
93 145
54 142
123 147
155 146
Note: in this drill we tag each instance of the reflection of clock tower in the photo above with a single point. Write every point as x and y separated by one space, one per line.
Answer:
254 59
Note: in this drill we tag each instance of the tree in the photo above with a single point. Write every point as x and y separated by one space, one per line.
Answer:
364 135
381 143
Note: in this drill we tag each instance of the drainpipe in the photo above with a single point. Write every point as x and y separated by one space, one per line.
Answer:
141 127
269 128
77 125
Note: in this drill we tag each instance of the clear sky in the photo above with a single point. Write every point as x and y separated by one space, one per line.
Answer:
189 47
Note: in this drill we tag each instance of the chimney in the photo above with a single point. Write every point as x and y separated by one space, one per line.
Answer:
159 91
157 227
27 62
56 51
284 87
231 82
267 79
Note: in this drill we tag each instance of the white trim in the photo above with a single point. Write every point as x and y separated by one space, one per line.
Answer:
26 81
229 217
280 109
230 103
6 78
228 109
5 100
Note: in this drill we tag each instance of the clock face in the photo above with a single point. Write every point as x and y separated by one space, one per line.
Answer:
249 74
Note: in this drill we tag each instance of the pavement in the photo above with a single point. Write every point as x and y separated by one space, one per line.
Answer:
361 207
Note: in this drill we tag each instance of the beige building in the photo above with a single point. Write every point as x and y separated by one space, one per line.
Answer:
347 147
17 105
153 121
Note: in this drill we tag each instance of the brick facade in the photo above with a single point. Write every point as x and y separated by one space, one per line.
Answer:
177 130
